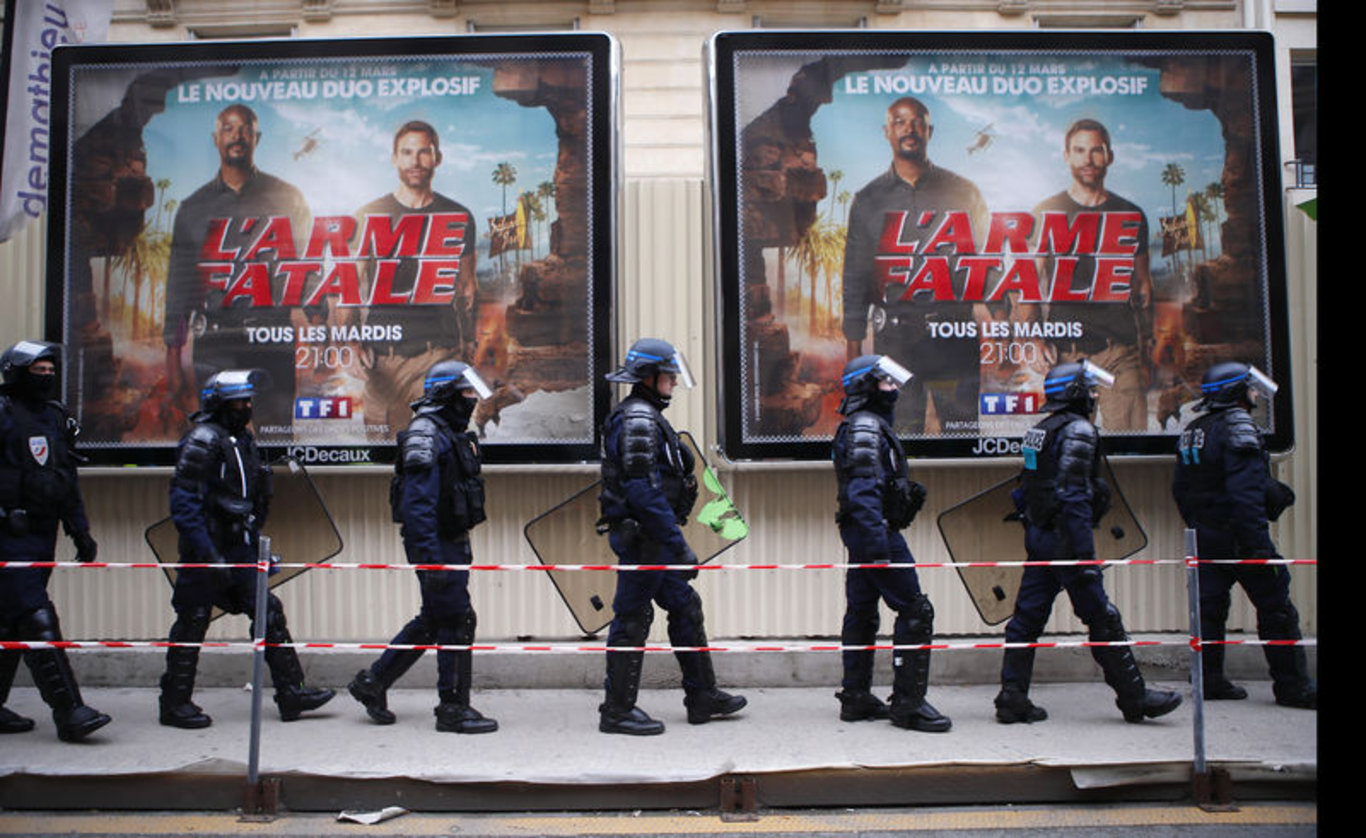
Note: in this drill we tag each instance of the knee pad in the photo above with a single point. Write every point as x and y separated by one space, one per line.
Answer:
191 625
916 623
458 625
41 624
635 626
277 627
1108 626
1088 576
693 610
1279 623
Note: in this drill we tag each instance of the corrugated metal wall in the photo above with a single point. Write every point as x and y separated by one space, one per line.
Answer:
789 507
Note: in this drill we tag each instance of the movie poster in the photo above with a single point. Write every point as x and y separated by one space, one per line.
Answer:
982 207
342 215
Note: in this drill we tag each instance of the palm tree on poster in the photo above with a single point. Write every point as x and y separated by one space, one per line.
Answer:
505 175
1173 175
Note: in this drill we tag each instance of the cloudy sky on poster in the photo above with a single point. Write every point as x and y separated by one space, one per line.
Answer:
1026 114
351 110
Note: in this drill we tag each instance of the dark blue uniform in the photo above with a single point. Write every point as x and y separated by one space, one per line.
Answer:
437 463
38 490
1224 489
647 495
876 500
437 495
1061 497
1057 494
38 482
220 496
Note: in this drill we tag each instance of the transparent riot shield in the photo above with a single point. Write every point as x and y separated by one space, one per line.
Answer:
566 534
300 528
983 529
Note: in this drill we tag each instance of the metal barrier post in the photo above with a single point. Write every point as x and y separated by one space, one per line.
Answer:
257 800
1211 789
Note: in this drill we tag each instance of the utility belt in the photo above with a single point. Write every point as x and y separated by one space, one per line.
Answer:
31 500
19 522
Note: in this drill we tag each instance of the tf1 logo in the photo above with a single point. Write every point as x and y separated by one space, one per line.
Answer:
323 407
1008 404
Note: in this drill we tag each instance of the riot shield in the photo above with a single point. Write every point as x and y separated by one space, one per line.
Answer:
300 528
978 530
566 534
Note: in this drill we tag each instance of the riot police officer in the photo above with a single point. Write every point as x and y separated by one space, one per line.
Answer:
648 492
877 499
1224 489
1060 498
220 496
38 489
437 494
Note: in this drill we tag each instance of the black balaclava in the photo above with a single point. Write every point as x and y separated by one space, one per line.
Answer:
235 415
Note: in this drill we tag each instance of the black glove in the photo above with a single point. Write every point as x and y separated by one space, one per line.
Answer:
86 548
687 557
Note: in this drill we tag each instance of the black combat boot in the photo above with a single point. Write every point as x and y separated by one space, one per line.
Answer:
858 706
1217 686
1013 706
177 685
1012 702
619 713
292 697
454 714
1132 696
57 684
370 686
700 695
910 682
55 681
10 721
702 699
1290 681
857 702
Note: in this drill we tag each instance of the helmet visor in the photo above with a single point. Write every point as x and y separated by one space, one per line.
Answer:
889 370
680 367
25 352
471 379
1097 375
1262 382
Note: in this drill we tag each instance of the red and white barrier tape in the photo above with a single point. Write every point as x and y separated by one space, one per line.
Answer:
598 648
657 567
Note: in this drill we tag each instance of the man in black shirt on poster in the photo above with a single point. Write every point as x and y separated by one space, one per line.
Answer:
421 335
947 371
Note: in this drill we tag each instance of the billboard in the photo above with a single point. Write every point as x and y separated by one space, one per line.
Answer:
342 214
981 206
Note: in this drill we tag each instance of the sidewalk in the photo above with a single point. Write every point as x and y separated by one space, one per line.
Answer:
549 755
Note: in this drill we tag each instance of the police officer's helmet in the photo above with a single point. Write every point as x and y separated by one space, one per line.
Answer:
861 377
648 357
1226 384
1070 385
230 386
862 374
19 357
446 379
